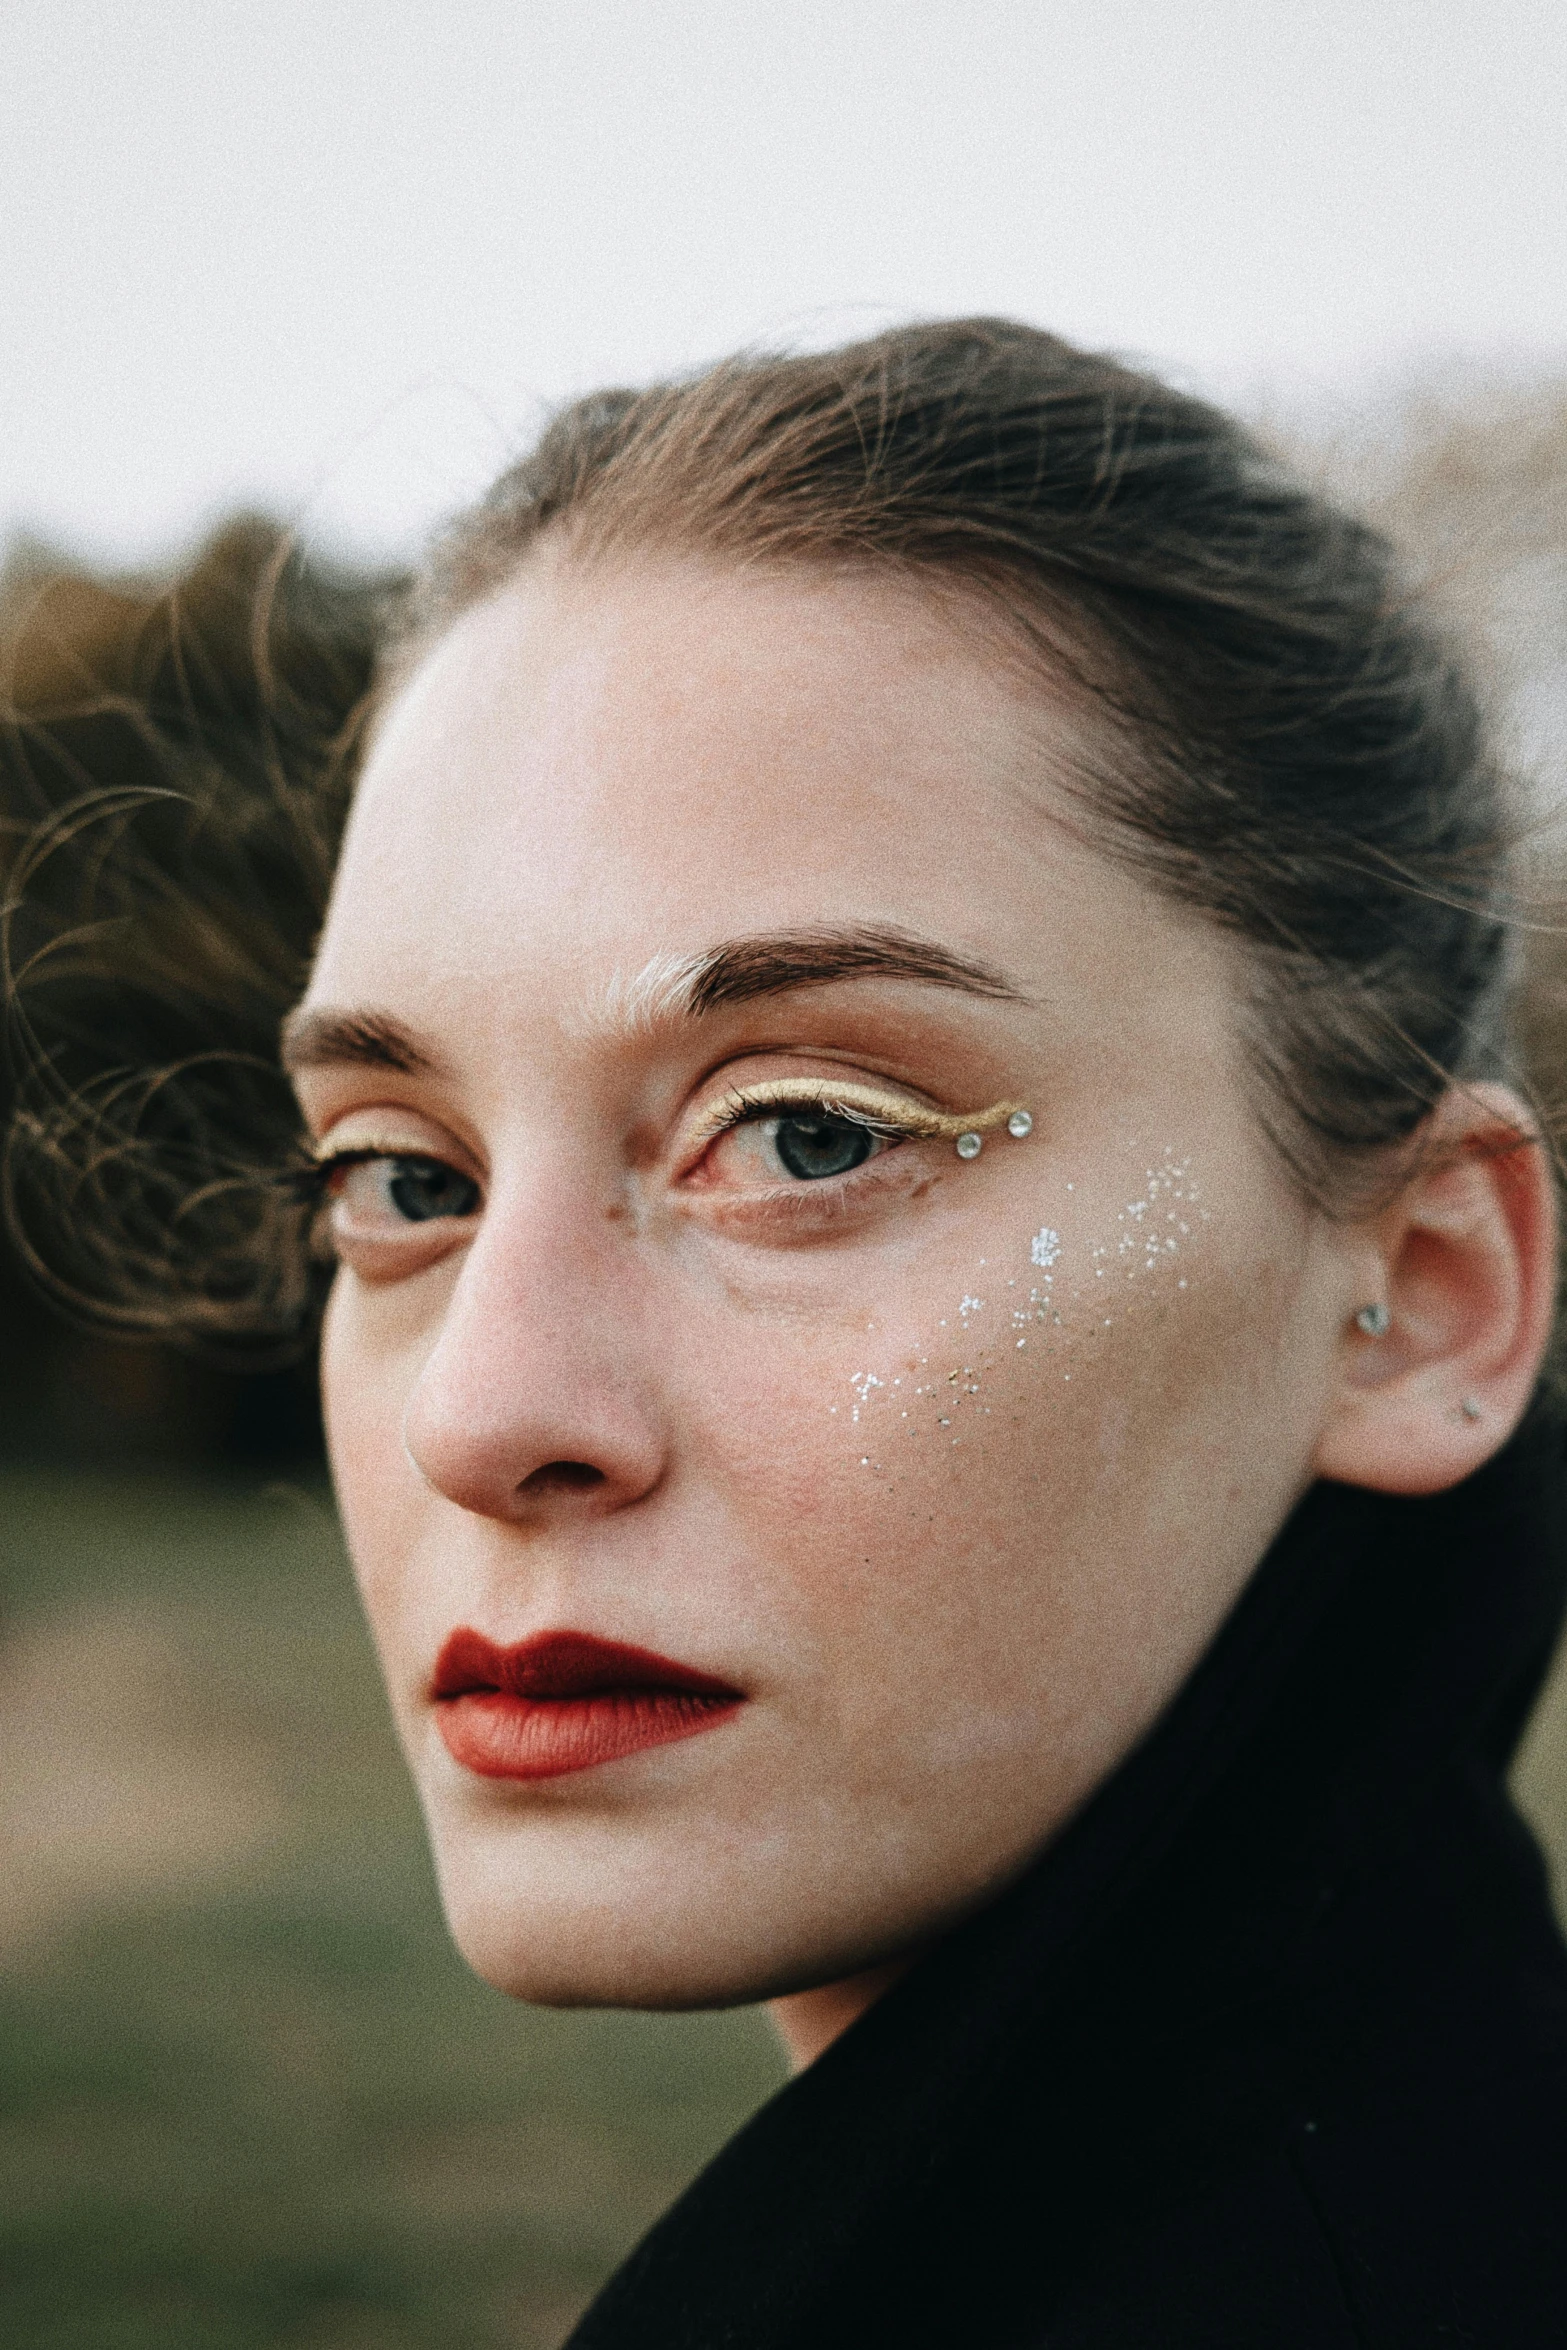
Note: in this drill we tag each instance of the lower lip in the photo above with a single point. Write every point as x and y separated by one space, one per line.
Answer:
504 1737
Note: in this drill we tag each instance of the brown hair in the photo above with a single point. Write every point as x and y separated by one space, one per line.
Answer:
175 770
1288 744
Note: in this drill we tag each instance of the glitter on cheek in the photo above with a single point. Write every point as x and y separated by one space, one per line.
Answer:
1149 1232
1044 1254
1151 1229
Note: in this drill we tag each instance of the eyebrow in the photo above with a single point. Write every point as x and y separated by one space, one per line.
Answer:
670 990
364 1040
774 963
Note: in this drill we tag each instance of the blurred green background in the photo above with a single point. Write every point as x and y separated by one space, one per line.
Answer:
248 2093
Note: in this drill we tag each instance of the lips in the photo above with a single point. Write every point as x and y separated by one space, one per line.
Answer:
565 1701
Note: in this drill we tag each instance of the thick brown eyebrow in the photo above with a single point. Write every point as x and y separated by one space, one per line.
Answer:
735 972
772 964
363 1040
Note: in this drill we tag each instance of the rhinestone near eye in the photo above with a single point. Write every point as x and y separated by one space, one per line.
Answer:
969 1146
1020 1123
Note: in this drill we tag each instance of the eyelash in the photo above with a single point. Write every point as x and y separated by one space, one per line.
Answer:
749 1105
743 1107
312 1184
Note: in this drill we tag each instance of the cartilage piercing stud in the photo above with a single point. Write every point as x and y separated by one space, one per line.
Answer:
1470 1409
1375 1320
969 1146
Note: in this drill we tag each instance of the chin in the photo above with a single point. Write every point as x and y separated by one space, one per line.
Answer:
573 1921
578 1965
568 1953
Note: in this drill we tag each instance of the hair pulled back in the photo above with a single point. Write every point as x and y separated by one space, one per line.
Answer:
1284 742
1288 745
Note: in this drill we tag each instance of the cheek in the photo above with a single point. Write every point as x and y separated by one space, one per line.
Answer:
1028 1482
364 1390
354 1402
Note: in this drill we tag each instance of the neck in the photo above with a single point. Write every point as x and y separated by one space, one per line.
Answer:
809 2021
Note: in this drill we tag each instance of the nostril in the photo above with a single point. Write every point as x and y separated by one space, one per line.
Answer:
561 1477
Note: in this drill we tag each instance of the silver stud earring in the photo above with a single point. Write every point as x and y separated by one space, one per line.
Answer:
1470 1409
969 1146
1375 1320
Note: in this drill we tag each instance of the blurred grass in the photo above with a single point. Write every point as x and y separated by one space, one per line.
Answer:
248 2093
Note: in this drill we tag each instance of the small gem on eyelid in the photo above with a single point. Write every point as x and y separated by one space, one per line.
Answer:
969 1146
1020 1123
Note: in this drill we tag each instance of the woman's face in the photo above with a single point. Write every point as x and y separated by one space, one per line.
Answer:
917 1481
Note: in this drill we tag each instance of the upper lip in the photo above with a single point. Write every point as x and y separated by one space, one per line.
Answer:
562 1664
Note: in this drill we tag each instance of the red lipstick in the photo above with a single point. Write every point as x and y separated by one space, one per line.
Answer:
564 1701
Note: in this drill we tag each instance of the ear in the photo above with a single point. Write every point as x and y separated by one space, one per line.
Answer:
1464 1261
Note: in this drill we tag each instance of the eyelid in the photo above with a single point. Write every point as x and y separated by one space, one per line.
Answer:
337 1154
313 1181
875 1106
359 1134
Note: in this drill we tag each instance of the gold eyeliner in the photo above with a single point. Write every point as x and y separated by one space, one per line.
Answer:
869 1105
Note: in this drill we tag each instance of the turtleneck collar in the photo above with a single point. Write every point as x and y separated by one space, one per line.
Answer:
1383 1645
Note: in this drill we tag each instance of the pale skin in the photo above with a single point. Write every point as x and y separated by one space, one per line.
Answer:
650 1385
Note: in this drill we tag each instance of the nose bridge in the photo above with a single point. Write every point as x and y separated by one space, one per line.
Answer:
538 1391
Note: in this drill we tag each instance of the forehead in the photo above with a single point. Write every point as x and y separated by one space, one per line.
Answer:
592 777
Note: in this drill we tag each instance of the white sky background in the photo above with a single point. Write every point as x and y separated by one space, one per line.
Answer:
330 255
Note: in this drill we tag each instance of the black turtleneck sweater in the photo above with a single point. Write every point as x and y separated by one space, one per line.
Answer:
1269 2050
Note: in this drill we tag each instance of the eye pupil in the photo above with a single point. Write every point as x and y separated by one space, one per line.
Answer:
420 1189
811 1147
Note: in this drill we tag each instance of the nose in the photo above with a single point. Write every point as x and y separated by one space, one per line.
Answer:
537 1401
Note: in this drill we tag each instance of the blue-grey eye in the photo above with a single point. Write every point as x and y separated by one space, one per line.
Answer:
811 1146
420 1189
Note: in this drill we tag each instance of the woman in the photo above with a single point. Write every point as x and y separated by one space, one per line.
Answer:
940 1288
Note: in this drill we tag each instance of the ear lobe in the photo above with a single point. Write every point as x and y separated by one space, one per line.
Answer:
1465 1262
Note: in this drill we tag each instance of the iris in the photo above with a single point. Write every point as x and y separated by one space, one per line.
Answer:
420 1189
811 1147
